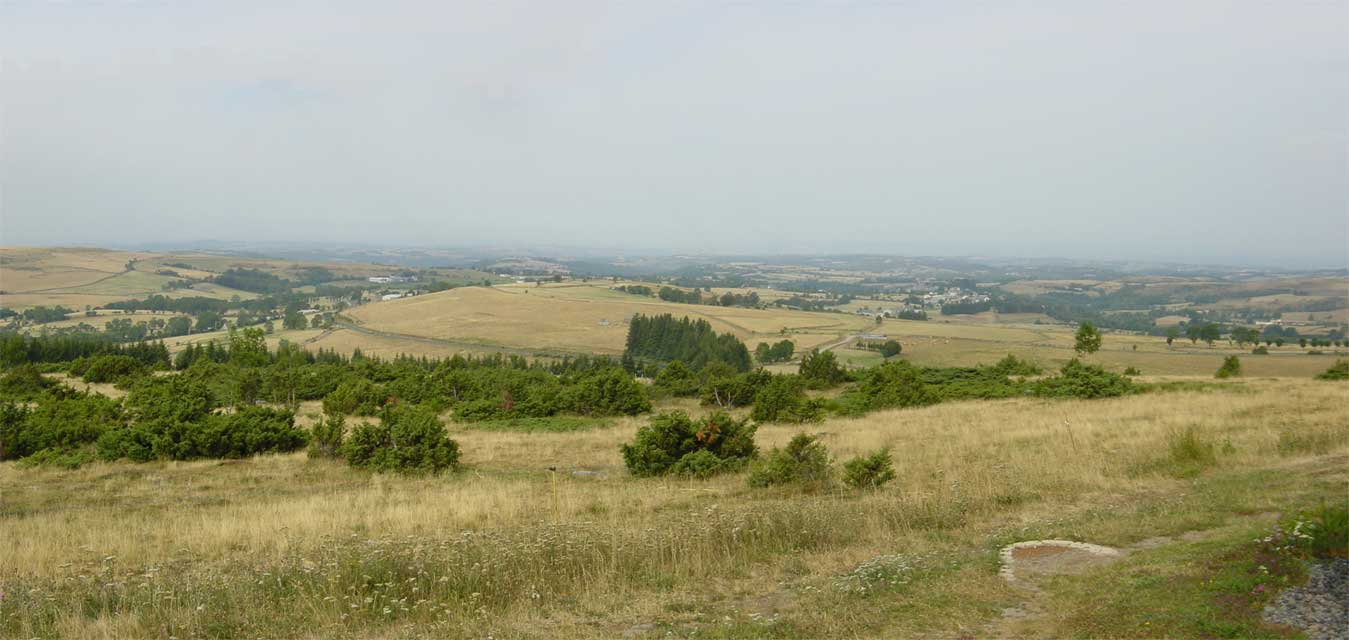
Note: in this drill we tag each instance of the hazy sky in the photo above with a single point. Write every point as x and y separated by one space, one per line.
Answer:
1184 131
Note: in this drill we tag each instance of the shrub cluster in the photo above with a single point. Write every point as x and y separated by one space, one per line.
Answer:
673 443
326 436
869 471
1337 371
245 432
728 390
891 385
783 399
108 368
24 383
1231 368
62 422
821 369
804 461
406 439
1078 380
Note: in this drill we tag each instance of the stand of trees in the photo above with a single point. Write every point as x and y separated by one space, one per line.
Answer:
962 308
780 351
663 338
253 280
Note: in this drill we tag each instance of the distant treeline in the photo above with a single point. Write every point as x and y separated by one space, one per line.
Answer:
18 349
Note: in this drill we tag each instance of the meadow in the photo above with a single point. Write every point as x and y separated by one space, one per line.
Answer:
506 547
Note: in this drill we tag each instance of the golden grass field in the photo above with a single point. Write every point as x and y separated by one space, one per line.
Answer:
567 317
282 546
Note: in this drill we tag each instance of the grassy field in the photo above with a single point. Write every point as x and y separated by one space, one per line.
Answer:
35 269
80 277
282 546
567 317
964 343
571 317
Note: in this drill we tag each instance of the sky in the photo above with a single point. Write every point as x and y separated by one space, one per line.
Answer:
1175 131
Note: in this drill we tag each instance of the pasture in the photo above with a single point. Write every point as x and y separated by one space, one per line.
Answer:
567 318
283 546
579 318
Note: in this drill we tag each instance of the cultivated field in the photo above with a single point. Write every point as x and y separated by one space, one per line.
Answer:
282 546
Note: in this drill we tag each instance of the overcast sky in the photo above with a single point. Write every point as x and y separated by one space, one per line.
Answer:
1182 131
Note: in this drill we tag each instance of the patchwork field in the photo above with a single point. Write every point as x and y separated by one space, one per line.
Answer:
37 269
79 277
281 546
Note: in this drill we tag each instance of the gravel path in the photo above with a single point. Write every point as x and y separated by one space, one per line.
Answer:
1320 607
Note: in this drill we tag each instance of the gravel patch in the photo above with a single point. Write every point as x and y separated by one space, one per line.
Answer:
1320 607
1052 556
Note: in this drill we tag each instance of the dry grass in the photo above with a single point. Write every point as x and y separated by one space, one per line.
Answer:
568 318
34 269
588 556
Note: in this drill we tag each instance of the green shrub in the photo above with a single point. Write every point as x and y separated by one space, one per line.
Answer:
1319 533
670 437
1132 371
176 398
677 380
63 421
61 459
359 396
1078 380
784 399
736 390
112 368
869 471
1014 366
24 382
821 370
325 437
1329 530
1337 371
1260 351
893 384
607 392
703 464
246 432
406 440
1231 368
805 461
